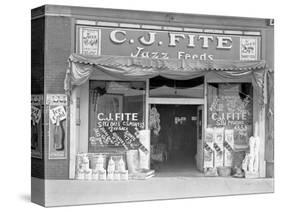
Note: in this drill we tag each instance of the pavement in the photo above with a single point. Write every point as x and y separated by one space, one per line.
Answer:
77 192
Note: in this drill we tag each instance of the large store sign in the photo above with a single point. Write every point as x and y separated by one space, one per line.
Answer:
95 41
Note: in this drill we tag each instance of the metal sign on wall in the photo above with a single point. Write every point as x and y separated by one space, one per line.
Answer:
95 41
57 127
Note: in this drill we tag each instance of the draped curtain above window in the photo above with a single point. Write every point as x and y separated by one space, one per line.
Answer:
128 68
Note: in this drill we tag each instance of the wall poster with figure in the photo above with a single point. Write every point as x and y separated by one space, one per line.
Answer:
57 115
37 113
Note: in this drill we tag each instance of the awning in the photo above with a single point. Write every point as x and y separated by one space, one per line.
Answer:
129 68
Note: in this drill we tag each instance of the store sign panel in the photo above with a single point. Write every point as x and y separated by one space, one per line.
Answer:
95 41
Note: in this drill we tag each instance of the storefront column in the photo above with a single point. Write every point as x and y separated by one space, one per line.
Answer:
147 104
147 107
84 118
205 109
74 130
259 130
261 134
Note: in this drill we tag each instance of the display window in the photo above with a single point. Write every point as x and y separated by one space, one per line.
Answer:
229 124
230 106
116 124
116 115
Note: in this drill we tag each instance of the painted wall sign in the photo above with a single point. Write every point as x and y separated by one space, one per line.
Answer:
165 44
37 110
117 130
57 115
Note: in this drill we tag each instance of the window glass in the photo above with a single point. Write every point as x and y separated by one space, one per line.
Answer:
116 114
230 105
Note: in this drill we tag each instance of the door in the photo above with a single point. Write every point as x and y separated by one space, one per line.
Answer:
178 131
200 134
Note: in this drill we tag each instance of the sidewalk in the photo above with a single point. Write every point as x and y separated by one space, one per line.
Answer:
75 192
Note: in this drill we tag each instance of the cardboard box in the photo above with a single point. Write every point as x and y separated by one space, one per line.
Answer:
209 148
218 146
228 147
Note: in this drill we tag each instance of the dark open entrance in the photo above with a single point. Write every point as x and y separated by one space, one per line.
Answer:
177 141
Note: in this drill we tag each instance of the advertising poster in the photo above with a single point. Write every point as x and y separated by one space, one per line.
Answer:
89 41
56 106
248 48
37 112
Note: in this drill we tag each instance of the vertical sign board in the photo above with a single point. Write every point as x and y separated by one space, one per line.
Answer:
57 115
37 113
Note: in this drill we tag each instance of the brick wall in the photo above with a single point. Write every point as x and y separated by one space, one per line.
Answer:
37 78
57 50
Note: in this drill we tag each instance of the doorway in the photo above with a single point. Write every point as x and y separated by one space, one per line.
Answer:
175 147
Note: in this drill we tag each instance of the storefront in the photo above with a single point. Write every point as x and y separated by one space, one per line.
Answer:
140 98
119 75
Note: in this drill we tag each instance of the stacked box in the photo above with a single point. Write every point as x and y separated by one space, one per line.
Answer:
228 147
208 149
218 146
82 166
